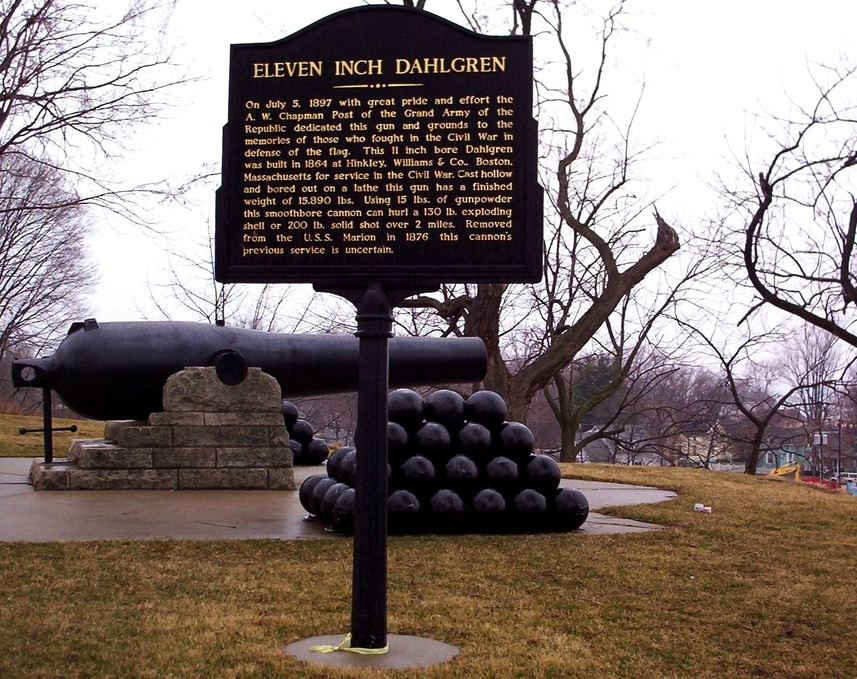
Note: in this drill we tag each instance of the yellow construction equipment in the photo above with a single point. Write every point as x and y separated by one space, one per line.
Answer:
787 469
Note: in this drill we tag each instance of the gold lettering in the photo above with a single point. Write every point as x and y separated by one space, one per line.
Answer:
281 69
359 67
454 65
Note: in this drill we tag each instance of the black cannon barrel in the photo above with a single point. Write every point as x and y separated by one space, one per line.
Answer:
108 371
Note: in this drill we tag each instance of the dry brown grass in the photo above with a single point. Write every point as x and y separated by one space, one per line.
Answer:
762 587
13 444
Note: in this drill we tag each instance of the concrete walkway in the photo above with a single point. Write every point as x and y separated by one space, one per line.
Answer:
50 516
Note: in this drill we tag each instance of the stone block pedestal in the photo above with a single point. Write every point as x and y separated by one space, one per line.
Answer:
210 436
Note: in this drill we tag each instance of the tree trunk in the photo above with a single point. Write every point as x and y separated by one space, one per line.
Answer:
567 431
562 407
524 384
484 321
752 462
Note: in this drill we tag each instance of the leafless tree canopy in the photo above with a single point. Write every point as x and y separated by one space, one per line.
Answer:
596 245
73 81
801 219
43 273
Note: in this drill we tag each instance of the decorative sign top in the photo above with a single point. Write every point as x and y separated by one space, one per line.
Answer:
380 145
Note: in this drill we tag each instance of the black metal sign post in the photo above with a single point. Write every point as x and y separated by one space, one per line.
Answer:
374 317
375 154
369 576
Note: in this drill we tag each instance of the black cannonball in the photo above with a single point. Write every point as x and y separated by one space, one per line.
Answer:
302 431
417 474
403 511
530 510
329 501
433 440
334 462
297 452
405 406
487 408
318 494
474 440
489 511
305 491
445 406
447 510
461 474
348 468
543 474
501 473
569 510
343 513
316 452
516 441
289 412
397 441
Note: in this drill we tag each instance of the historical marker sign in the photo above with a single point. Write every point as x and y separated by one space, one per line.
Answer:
383 145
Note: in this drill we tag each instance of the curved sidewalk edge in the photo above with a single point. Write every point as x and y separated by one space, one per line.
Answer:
603 494
52 516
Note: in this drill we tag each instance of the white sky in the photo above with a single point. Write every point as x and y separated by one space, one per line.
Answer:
706 67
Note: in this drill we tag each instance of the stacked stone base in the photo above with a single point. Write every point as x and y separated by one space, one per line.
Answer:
239 442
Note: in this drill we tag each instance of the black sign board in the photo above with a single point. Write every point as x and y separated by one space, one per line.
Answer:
380 144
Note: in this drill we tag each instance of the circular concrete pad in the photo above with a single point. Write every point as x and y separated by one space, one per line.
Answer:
404 651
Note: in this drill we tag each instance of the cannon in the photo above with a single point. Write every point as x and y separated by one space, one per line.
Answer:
110 371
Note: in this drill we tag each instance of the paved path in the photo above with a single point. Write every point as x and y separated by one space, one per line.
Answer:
49 516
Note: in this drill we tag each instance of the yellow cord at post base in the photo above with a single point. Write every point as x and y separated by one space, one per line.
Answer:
344 646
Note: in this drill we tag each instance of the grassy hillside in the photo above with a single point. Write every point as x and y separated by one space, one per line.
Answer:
13 444
762 587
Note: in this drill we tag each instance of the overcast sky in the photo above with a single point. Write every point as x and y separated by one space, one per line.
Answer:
707 68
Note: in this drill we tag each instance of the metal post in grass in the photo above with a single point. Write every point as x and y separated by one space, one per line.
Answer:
839 449
47 428
369 575
374 315
47 424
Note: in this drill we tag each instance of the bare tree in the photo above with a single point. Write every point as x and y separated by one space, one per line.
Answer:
817 368
800 221
617 417
679 418
73 80
627 359
594 256
43 275
187 286
756 407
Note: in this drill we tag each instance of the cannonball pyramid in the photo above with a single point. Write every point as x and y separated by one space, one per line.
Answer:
455 466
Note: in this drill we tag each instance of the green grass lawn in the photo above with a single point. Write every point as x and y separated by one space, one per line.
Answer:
762 587
14 444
